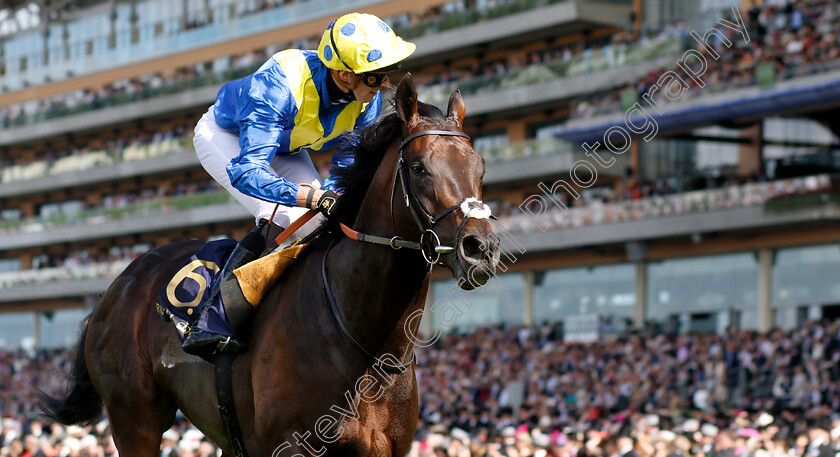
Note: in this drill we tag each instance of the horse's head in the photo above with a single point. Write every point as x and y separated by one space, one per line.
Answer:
437 188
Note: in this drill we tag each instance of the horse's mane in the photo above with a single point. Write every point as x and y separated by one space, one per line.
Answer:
366 147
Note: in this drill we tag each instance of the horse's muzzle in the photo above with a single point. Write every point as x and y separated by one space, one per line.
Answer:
478 255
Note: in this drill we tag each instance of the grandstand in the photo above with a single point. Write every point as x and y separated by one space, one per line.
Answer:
721 220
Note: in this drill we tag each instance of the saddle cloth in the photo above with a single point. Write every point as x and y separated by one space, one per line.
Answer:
188 291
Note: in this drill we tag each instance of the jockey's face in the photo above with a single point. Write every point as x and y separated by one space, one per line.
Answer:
351 82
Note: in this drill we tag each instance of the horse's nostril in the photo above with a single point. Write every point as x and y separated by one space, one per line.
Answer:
471 248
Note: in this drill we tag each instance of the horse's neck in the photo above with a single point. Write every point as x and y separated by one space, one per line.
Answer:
376 292
380 287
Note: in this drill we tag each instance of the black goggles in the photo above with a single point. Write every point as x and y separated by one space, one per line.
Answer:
374 79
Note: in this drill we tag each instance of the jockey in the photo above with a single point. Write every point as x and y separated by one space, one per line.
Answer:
255 139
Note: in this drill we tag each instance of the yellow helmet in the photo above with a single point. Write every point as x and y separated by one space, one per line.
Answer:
361 43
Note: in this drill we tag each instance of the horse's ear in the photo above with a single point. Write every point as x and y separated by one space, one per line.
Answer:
456 109
406 99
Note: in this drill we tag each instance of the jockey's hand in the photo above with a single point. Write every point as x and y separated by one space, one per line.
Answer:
323 201
327 202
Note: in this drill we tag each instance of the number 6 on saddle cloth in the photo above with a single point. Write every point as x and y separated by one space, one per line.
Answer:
189 289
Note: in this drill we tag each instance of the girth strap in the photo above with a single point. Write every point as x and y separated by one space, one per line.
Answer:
224 395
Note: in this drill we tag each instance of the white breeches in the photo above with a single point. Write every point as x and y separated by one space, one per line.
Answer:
216 147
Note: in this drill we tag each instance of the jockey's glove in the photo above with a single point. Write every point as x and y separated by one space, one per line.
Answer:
323 201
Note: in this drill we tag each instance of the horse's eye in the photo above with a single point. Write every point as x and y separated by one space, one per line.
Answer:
417 169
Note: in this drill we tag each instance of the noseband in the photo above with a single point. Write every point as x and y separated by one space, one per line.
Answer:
471 208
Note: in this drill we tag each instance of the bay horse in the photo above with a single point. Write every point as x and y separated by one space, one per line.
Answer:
310 383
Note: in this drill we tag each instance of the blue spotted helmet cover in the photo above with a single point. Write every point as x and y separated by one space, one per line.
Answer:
364 43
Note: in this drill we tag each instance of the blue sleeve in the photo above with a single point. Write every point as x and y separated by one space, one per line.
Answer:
371 112
269 109
342 159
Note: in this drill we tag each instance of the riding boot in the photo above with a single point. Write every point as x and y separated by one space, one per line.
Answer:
270 232
239 310
200 339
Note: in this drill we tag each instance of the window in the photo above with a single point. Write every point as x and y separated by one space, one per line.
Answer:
500 301
607 290
806 275
8 265
59 328
17 330
10 214
702 284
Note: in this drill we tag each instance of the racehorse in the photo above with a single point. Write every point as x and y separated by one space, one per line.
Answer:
316 379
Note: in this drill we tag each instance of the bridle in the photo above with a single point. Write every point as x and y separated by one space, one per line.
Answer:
471 207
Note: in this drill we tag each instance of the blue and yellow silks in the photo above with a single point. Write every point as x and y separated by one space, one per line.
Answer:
282 108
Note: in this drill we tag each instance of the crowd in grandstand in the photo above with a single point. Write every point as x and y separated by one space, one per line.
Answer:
136 203
552 62
155 84
787 39
518 392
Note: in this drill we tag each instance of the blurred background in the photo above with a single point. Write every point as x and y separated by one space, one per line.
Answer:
685 304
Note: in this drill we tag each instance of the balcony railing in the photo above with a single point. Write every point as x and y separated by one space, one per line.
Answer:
590 61
746 195
527 149
762 74
608 57
182 144
64 273
102 215
93 159
476 14
742 196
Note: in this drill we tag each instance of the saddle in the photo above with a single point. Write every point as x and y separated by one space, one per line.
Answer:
256 278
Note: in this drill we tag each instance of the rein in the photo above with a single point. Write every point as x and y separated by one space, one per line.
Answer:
393 369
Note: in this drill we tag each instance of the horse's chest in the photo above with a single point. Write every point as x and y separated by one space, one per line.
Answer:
384 427
374 434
